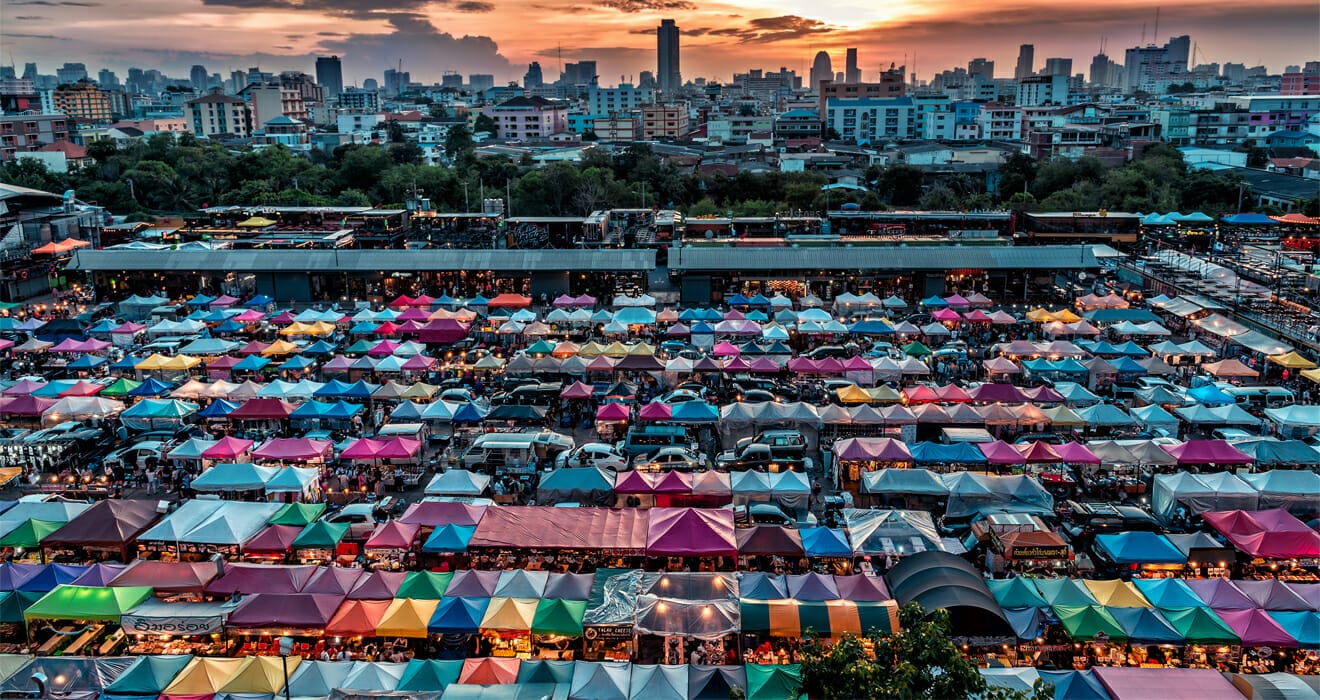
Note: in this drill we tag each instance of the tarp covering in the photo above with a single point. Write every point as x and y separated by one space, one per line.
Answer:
543 527
941 580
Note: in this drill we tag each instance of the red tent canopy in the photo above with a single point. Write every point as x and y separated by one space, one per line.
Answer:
1038 452
292 449
510 301
872 449
393 535
577 390
227 447
263 409
1266 534
546 527
1208 452
691 532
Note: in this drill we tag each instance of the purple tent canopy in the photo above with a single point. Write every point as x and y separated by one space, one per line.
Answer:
1208 452
872 449
1165 683
691 532
999 393
437 513
1220 594
1310 592
473 583
1273 594
333 580
862 588
378 585
1256 628
260 578
1000 452
812 586
99 574
275 538
291 610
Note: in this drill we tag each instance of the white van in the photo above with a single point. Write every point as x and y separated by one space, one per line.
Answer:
503 453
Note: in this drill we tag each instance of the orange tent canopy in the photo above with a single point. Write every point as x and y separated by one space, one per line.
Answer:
64 246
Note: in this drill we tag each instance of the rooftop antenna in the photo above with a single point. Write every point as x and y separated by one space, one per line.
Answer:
1155 35
1143 33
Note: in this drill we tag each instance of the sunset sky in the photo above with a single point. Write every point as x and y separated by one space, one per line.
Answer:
502 36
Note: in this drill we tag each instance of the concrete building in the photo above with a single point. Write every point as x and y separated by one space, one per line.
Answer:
891 86
1303 82
821 71
359 100
283 131
668 76
1057 66
868 120
533 78
527 117
1038 90
669 121
1026 63
618 100
981 67
797 124
851 72
270 100
617 128
1105 73
21 133
1154 68
71 73
218 114
1000 123
83 102
330 75
481 81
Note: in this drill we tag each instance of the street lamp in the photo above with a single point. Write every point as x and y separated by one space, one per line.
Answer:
286 648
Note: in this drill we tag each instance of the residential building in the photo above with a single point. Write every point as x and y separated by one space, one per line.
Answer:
1302 82
1105 73
851 72
1154 68
84 102
106 78
740 127
330 75
283 131
20 133
617 128
867 120
218 114
356 123
1044 89
798 124
668 121
618 100
668 76
527 118
481 81
270 100
1026 63
1000 123
1175 124
891 86
934 117
1268 114
359 100
18 95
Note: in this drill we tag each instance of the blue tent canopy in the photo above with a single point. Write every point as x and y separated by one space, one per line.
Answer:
218 409
939 453
332 389
449 538
1131 349
458 615
870 327
363 328
825 542
320 347
444 300
1075 685
695 412
702 328
259 300
1250 219
934 302
200 300
478 300
128 362
251 363
467 413
1144 625
1302 626
296 363
1210 395
87 362
151 387
1137 547
1168 592
1127 365
739 300
229 326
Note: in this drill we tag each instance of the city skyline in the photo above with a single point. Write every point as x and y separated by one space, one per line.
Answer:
717 39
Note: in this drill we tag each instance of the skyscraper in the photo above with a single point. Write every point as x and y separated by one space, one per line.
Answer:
821 70
198 77
1057 66
107 78
29 71
1026 64
851 73
666 46
981 67
330 75
533 78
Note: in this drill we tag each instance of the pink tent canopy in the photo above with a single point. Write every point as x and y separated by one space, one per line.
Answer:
249 316
1256 628
977 316
1076 453
224 300
957 300
764 365
23 388
25 405
656 411
1165 683
952 393
653 482
253 348
872 449
1208 452
1266 534
363 449
802 365
725 349
945 315
737 364
227 448
384 348
293 449
275 538
577 390
418 363
1044 394
857 364
399 448
1000 452
82 388
612 412
437 513
830 365
393 535
691 532
1038 452
402 300
263 409
1000 393
920 393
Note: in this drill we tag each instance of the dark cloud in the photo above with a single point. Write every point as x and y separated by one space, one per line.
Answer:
53 3
30 18
284 48
22 35
648 5
331 34
425 51
363 9
475 6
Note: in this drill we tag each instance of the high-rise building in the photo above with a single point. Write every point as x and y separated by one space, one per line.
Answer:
481 81
396 81
107 78
1026 63
1154 68
981 67
851 73
668 76
821 70
8 73
198 76
646 79
1179 50
533 78
29 71
370 84
71 73
330 75
1105 73
580 73
1057 66
237 80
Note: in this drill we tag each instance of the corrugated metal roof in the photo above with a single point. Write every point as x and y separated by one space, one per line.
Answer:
886 258
363 260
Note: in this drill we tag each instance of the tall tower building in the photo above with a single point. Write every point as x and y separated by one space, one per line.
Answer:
851 73
1026 64
198 77
533 78
821 70
982 67
668 76
330 75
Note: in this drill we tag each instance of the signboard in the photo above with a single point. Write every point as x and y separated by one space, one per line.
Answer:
610 634
181 626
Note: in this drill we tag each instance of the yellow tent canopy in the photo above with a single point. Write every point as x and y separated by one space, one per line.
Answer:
257 222
406 617
615 349
1066 316
853 394
641 348
153 362
295 328
1040 316
1116 593
419 390
884 393
591 349
261 675
279 347
320 328
181 362
1291 360
1312 374
509 614
203 676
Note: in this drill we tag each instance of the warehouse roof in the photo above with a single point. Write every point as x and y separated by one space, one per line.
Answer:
363 260
1056 257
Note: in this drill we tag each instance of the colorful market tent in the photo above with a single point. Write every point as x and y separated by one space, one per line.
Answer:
68 602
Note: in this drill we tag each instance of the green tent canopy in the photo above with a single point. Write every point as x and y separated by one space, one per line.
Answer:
298 514
1016 593
1085 622
917 348
148 675
29 534
120 387
320 535
774 682
430 674
1064 591
559 616
424 585
1200 625
13 603
68 602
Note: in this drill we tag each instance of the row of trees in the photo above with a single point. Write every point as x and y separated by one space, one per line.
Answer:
164 175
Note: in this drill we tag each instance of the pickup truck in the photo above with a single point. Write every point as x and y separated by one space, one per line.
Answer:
785 444
756 456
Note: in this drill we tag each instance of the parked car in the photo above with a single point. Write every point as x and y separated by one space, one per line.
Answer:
593 454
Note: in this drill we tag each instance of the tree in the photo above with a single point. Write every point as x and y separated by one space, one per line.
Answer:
938 197
485 123
901 184
918 661
458 142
